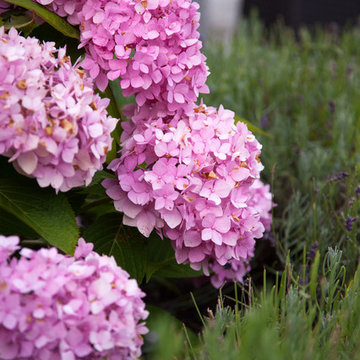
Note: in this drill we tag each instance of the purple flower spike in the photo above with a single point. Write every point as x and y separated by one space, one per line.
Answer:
349 223
60 307
357 191
52 125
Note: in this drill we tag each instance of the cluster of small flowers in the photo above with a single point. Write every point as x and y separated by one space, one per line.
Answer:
152 44
52 125
191 178
61 307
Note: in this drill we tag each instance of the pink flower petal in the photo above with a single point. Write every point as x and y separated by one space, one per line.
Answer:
145 222
172 218
27 162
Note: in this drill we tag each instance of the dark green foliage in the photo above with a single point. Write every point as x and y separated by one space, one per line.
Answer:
39 212
133 252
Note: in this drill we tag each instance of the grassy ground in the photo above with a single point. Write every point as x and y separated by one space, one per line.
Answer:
305 95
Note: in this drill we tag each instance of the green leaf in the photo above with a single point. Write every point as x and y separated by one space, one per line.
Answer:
138 255
314 275
121 100
252 127
19 19
100 176
162 262
112 238
11 225
114 110
54 20
171 269
47 214
95 189
76 199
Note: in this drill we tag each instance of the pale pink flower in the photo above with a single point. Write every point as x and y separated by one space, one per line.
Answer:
52 125
61 307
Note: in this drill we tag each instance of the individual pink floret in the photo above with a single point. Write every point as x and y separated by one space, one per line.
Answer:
52 125
61 307
189 177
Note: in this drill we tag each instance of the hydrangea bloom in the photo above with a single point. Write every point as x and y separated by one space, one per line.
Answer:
60 307
52 125
189 177
153 45
260 199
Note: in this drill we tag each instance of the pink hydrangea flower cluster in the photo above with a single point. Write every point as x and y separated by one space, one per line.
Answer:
153 45
52 125
190 177
235 270
156 47
61 307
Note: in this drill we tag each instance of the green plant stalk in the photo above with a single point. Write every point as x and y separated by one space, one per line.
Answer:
197 309
113 108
